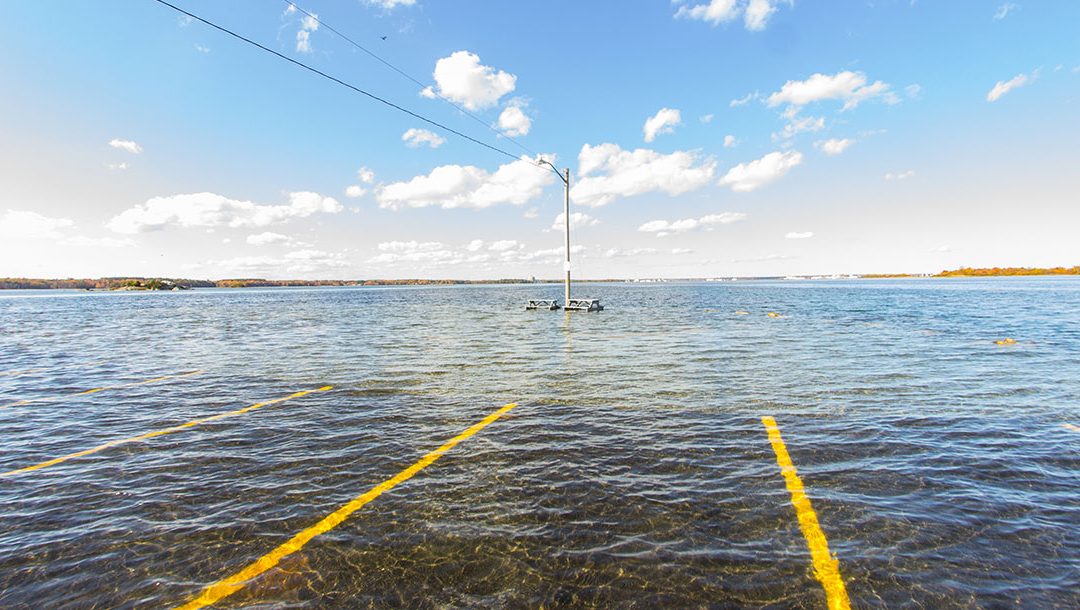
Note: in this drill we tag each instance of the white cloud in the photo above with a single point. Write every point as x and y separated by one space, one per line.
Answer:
942 249
715 12
416 137
514 122
389 4
202 49
797 125
667 227
913 91
213 210
890 176
578 220
353 191
834 146
619 252
848 87
706 119
746 177
467 186
31 225
730 141
308 24
299 261
475 245
269 237
681 251
504 244
664 121
755 13
746 99
128 145
365 175
27 225
531 213
798 235
1004 10
117 166
1003 87
628 173
463 79
410 246
758 13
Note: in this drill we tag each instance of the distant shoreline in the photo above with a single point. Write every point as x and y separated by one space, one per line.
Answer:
144 283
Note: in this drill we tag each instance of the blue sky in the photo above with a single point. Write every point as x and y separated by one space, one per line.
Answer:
705 138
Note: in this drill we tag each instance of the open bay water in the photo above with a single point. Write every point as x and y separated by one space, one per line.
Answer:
944 469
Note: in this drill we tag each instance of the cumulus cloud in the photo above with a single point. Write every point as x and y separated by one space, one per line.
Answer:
418 137
128 145
467 186
667 227
1004 86
706 118
833 146
798 235
746 177
578 220
608 172
755 13
355 191
365 175
730 141
664 121
891 176
463 79
514 122
212 210
308 24
851 88
117 166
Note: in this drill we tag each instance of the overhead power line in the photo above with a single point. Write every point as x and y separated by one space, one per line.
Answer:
409 77
339 81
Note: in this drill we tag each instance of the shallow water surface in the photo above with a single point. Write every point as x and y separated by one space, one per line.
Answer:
635 471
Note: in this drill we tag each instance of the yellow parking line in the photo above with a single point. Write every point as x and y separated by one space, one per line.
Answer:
826 567
96 390
239 580
155 433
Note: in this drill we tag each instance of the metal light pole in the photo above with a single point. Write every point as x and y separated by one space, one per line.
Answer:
566 216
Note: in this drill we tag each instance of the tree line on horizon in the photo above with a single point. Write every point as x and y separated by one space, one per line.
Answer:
115 283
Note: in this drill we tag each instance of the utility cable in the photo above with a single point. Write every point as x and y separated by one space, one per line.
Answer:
339 81
409 77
